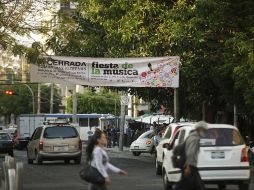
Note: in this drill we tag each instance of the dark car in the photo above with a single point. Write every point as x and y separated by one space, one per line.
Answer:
6 143
20 143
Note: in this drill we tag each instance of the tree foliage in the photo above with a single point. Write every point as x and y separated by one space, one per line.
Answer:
214 39
21 102
91 102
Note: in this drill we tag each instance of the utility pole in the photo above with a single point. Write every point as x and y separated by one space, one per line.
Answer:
51 97
74 104
176 105
39 99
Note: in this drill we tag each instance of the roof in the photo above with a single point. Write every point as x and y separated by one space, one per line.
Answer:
214 126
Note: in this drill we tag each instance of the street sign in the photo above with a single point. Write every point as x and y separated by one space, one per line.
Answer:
125 100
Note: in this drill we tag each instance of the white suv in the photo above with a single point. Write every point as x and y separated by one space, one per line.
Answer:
166 138
222 159
54 142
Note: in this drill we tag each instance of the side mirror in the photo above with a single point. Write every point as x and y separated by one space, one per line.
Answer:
167 146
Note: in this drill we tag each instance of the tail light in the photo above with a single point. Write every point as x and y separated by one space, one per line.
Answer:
244 156
80 145
41 145
148 142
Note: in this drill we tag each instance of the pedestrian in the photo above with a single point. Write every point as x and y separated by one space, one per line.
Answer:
128 134
98 158
109 135
191 179
114 136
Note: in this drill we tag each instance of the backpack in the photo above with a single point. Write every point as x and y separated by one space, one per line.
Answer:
179 157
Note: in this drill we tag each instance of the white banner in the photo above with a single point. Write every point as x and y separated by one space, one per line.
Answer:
121 72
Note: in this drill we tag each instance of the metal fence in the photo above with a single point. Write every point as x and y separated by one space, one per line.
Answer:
11 174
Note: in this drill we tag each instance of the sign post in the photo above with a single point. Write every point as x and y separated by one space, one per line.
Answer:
124 102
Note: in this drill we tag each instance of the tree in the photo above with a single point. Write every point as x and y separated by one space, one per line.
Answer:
20 18
214 39
21 101
101 103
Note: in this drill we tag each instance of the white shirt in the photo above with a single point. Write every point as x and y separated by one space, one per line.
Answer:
101 162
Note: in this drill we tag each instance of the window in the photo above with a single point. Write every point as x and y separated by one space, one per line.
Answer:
168 133
4 136
37 133
221 137
147 135
83 122
94 122
175 138
60 132
181 137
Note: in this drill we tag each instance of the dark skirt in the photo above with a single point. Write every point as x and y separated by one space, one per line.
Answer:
191 182
97 187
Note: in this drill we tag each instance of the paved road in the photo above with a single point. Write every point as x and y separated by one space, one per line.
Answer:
58 176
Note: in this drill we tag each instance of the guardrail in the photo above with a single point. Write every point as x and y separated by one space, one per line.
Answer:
12 174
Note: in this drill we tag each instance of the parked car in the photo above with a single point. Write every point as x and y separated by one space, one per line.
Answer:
166 138
222 160
6 143
143 144
12 132
54 142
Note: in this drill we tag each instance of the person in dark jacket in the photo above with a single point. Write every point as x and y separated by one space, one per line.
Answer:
191 179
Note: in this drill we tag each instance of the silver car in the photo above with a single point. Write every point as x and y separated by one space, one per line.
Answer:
55 142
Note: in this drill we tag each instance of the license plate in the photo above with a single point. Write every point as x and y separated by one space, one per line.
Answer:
61 148
136 147
218 155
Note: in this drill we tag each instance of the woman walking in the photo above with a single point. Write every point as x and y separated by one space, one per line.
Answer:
98 158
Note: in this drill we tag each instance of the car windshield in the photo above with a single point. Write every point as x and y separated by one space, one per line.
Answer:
147 135
4 136
168 133
60 132
221 137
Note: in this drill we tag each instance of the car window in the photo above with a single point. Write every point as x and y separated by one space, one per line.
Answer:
60 132
181 136
37 133
222 137
4 136
148 134
168 133
175 137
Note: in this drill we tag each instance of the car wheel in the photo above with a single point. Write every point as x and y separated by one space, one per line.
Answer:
158 167
77 160
222 187
29 161
167 185
11 154
136 153
243 186
38 160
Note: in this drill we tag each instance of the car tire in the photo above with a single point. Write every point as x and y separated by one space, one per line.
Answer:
136 153
158 167
38 160
11 153
166 184
29 161
77 160
243 186
222 186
